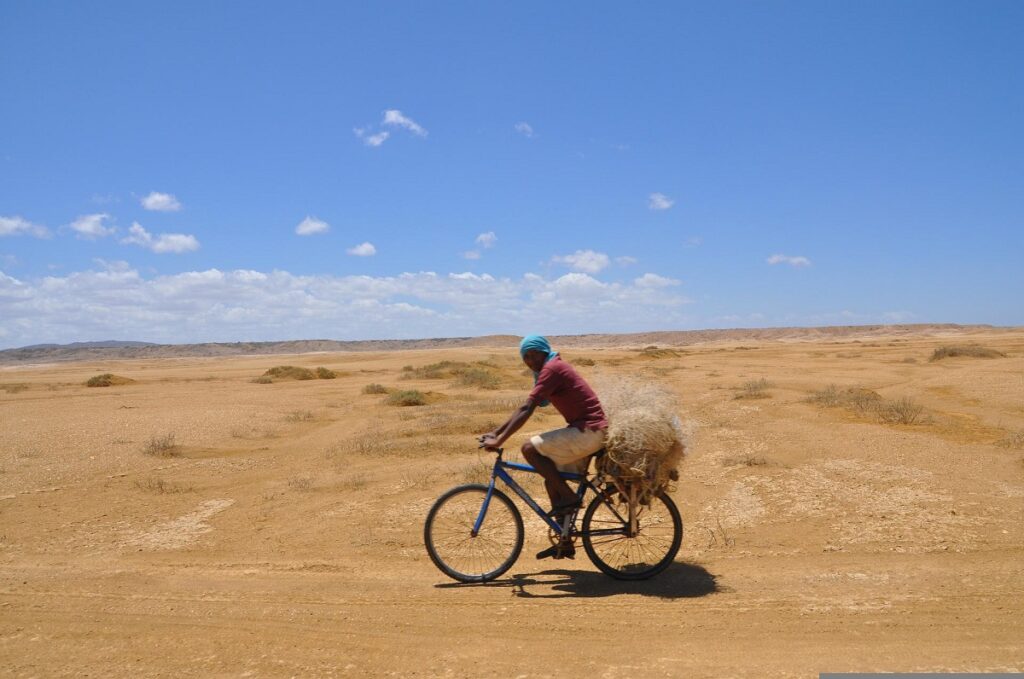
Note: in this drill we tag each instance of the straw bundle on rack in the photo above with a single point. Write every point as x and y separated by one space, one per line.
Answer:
646 439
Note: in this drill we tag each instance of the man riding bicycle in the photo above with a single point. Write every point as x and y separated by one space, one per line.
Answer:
566 449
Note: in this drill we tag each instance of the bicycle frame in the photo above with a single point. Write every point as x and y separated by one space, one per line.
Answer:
499 472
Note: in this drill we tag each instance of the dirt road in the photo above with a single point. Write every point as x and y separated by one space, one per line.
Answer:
281 533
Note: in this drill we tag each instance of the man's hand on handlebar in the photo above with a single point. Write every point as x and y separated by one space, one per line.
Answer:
489 442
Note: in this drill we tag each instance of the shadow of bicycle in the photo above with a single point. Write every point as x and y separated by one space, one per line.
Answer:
679 581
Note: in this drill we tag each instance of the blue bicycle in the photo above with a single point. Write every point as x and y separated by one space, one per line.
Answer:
474 533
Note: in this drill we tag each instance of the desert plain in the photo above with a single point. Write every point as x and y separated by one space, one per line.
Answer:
201 521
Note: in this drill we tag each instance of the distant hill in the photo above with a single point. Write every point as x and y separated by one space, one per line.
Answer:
115 349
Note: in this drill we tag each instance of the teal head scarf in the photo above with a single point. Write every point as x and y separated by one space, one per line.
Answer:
540 344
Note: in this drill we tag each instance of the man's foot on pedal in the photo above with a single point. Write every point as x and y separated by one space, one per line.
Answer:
558 552
560 509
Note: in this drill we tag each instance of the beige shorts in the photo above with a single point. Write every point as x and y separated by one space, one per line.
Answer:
569 448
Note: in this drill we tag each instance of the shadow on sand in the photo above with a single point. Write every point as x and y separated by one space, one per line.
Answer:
678 581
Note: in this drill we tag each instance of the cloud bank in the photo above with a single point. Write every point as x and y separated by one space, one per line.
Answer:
214 305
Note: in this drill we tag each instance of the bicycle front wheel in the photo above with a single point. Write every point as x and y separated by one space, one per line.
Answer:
458 551
638 554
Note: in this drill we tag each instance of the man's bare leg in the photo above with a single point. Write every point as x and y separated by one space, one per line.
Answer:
558 490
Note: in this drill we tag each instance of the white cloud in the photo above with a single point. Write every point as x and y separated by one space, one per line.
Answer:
471 254
216 305
311 226
653 280
786 259
362 250
176 243
371 139
18 226
91 227
395 118
587 261
626 260
659 201
486 240
161 202
524 129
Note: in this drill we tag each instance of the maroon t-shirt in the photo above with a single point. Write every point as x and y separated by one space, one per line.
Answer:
559 383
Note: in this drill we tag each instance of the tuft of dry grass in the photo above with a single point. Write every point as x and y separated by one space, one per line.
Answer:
910 359
409 397
1014 439
162 445
477 377
107 380
584 361
968 350
868 403
301 483
290 372
263 379
754 389
299 416
653 351
900 411
162 487
375 389
323 373
746 460
14 388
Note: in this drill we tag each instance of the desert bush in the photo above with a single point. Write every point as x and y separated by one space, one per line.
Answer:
300 483
162 446
157 485
107 380
969 350
299 416
866 402
1014 439
900 411
263 379
375 389
584 361
325 374
409 397
754 389
910 359
653 351
290 372
477 377
15 388
746 460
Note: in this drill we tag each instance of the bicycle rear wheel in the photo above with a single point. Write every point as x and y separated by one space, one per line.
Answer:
451 544
652 547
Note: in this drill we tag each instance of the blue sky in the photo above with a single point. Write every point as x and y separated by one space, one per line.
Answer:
475 168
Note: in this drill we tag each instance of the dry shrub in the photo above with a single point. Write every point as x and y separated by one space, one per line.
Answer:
900 411
653 351
15 388
646 440
1012 440
477 377
162 446
375 389
868 403
301 483
754 389
910 359
290 372
969 350
157 485
409 397
263 379
323 373
299 416
587 362
107 380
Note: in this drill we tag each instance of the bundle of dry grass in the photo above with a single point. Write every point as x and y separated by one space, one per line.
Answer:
646 439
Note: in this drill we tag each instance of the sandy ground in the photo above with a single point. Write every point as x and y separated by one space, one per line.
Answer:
284 536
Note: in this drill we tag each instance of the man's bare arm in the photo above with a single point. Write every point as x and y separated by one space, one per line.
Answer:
496 438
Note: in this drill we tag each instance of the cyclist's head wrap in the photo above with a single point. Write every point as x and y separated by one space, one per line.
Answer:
537 343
